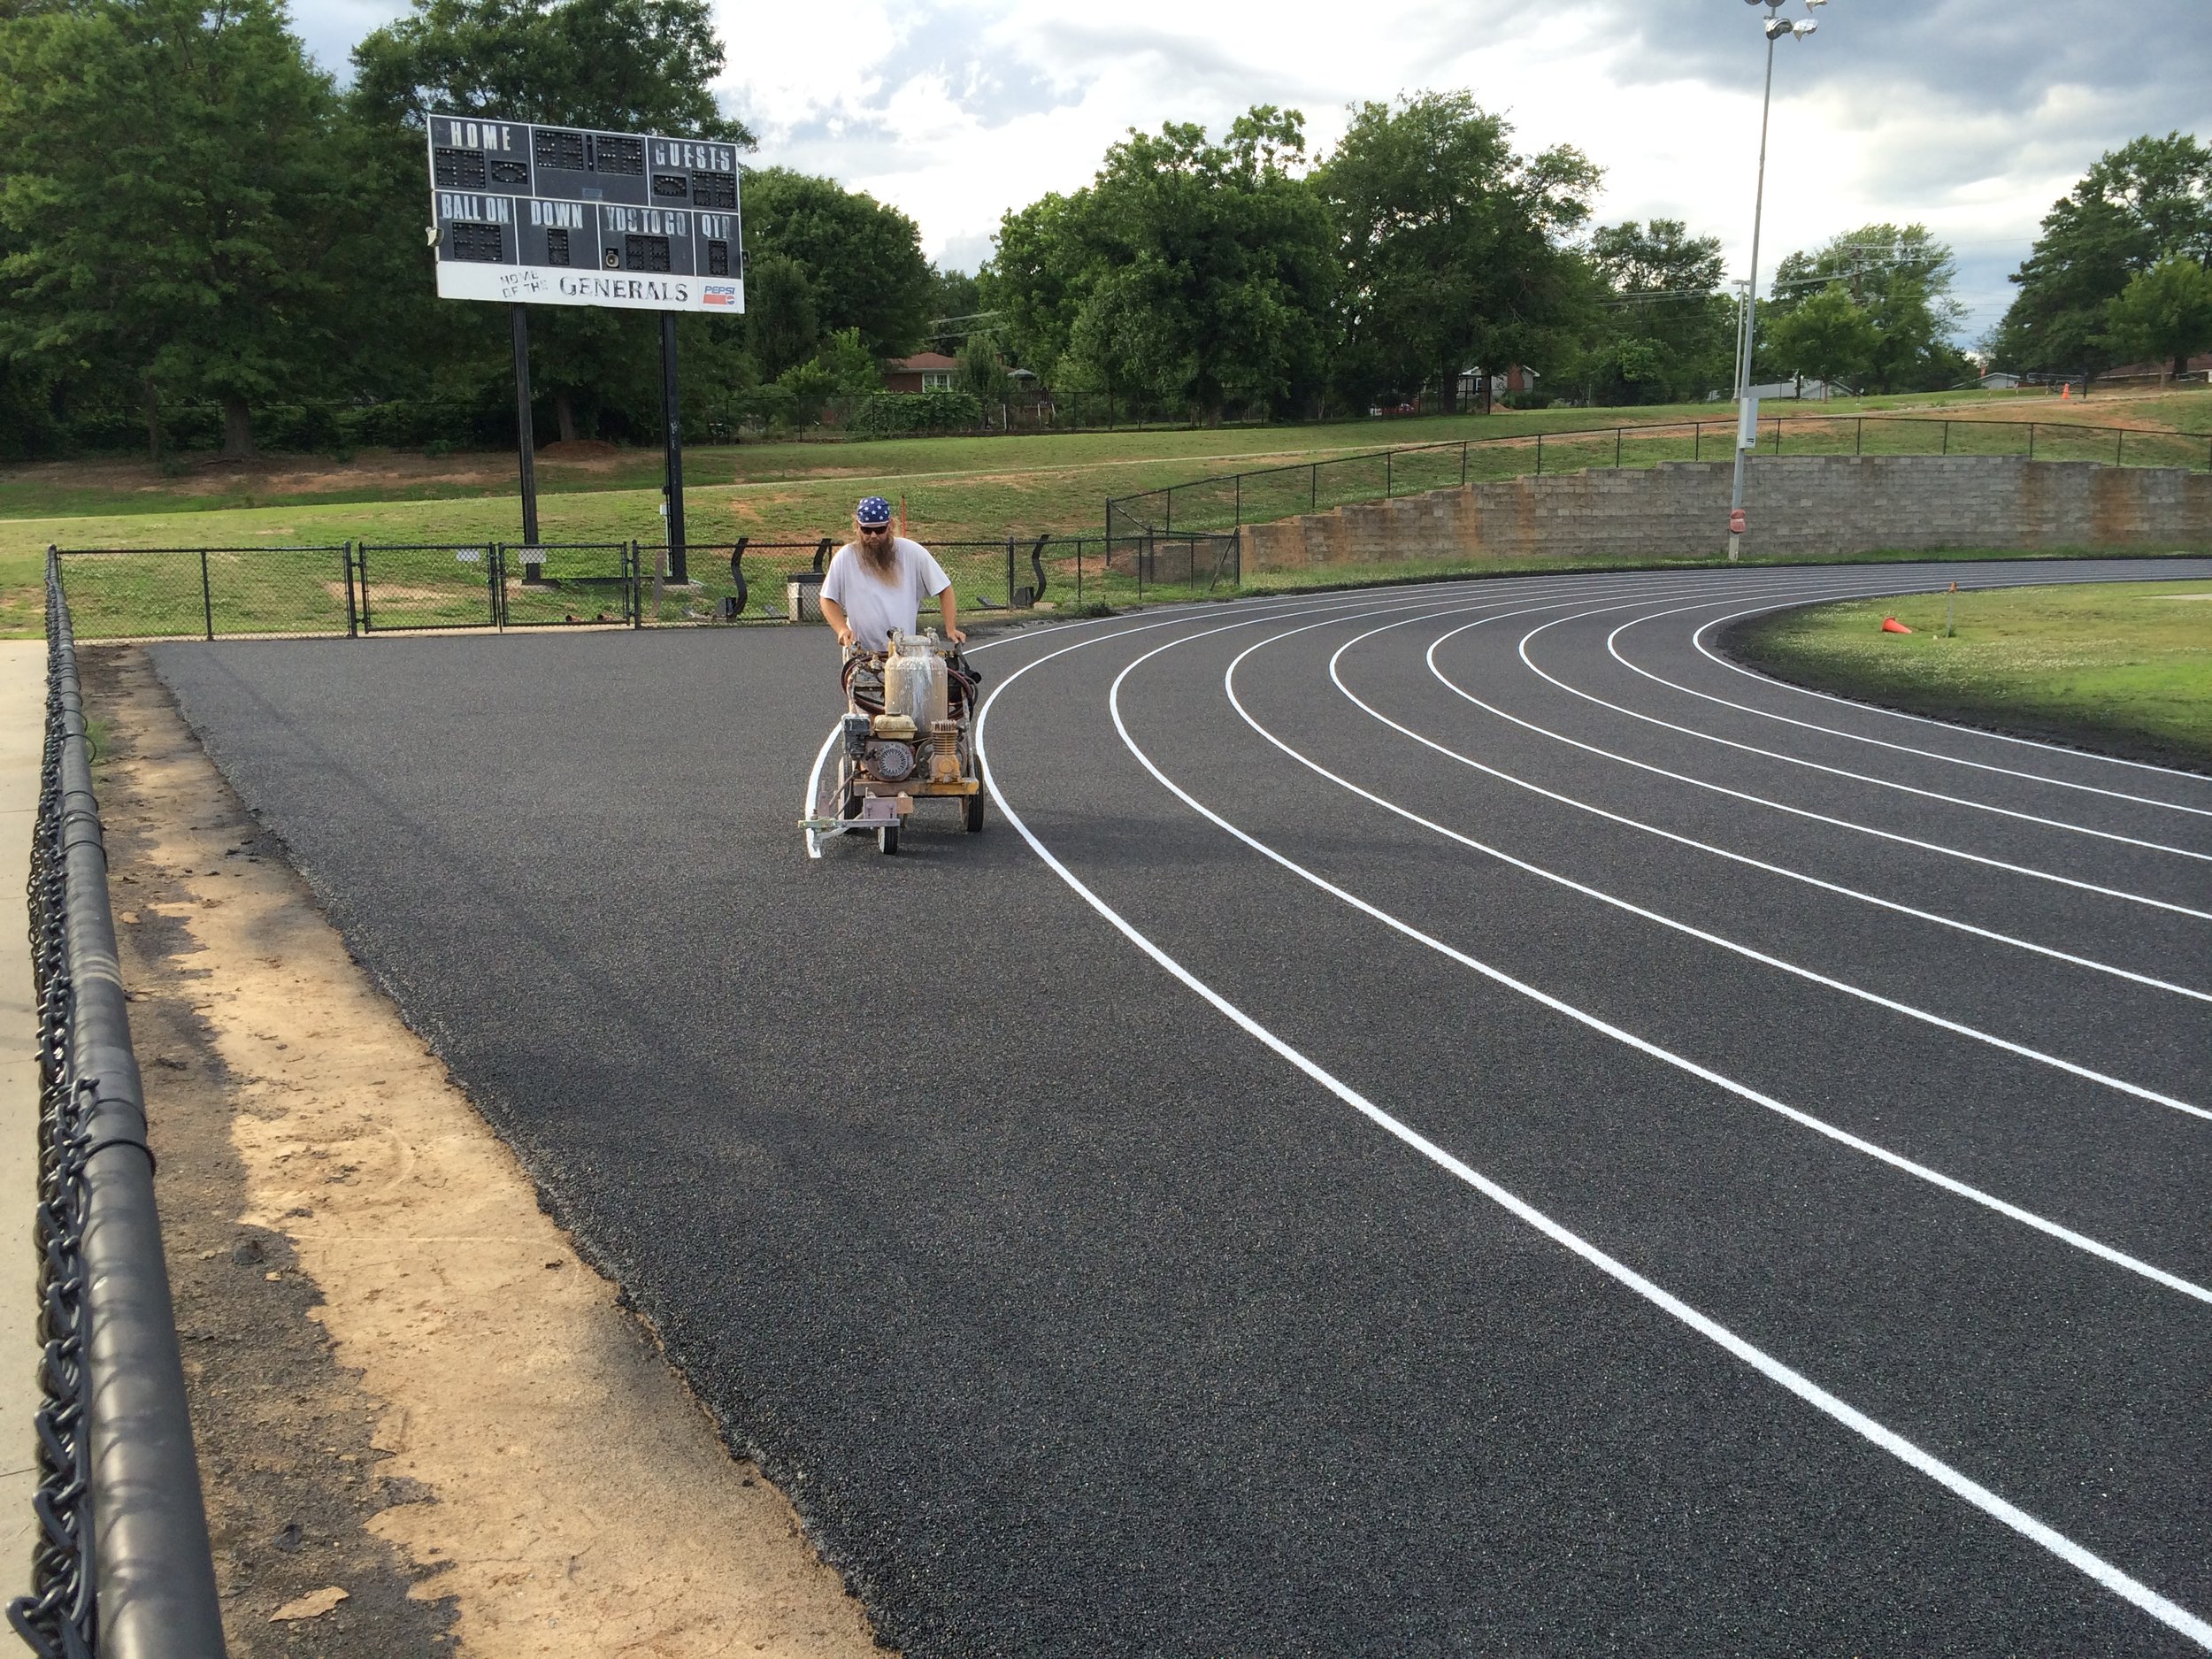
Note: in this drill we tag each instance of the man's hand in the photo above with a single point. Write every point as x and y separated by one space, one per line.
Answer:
958 636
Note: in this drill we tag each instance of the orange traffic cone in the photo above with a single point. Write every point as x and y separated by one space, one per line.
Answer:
1891 625
2066 391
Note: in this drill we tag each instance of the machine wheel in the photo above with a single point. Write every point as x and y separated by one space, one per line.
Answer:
973 816
887 839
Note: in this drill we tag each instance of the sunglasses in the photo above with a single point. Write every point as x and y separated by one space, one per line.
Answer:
875 529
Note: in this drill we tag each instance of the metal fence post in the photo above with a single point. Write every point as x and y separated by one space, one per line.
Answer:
1313 487
1385 475
353 630
1010 573
1697 440
361 575
2031 440
1778 435
1617 448
1947 437
1539 454
207 597
1079 573
1462 479
637 589
2120 447
1239 520
1858 437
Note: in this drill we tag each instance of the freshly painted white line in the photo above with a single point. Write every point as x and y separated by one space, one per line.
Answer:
1857 776
1291 605
2171 1614
1666 1056
1797 811
1612 649
1750 953
2070 958
1950 725
1697 640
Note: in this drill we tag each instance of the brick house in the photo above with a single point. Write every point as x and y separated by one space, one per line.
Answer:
923 372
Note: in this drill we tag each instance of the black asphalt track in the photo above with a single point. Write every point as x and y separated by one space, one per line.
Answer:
1077 1319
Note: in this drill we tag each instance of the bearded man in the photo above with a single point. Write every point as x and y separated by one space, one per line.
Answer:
877 582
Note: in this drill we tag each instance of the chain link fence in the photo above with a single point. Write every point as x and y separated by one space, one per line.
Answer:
1234 499
120 1561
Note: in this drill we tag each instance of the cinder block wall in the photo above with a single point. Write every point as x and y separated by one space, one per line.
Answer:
1812 505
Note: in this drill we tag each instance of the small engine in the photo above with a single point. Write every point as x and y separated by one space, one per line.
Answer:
882 748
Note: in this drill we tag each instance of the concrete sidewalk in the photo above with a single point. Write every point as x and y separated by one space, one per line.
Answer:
22 742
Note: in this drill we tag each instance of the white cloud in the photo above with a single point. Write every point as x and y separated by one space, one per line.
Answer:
1969 118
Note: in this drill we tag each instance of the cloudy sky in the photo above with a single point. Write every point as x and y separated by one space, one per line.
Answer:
1970 116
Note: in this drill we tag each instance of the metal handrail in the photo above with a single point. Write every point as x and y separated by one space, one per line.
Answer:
121 1568
1122 511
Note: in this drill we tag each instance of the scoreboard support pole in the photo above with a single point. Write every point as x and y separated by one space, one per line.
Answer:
676 572
527 442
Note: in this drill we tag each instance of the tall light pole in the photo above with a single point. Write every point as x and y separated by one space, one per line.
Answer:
1777 27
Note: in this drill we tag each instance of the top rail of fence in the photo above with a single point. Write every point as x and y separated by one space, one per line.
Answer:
1228 500
120 1558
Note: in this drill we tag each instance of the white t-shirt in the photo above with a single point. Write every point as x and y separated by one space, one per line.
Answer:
873 606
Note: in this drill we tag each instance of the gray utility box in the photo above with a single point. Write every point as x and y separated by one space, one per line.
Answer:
803 596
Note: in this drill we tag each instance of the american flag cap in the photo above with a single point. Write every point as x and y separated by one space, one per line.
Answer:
873 509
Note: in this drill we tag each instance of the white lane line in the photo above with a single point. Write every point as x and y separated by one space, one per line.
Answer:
1613 650
1697 639
1948 725
2171 1614
1292 605
1797 811
1832 771
1733 856
1666 1056
1749 952
1746 859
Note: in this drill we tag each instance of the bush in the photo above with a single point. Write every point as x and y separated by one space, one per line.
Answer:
1528 400
899 414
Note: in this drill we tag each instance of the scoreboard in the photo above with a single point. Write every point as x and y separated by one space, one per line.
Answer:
568 216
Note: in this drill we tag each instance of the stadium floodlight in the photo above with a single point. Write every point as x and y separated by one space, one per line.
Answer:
1777 27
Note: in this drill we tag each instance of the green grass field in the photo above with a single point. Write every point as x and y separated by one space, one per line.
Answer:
953 488
2124 668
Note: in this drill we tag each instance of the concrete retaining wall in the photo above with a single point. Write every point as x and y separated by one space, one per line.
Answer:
1810 505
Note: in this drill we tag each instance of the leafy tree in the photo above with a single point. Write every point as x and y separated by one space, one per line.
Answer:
1901 278
2146 201
780 313
1209 274
1452 244
862 260
2164 312
1661 330
1036 281
627 64
951 294
172 202
1191 274
1828 336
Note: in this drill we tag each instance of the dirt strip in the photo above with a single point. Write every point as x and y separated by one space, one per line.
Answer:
425 1426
